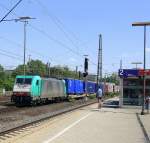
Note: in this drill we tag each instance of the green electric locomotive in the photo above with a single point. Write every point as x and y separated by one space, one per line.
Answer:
34 89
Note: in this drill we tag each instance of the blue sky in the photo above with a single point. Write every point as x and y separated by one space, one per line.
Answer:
76 24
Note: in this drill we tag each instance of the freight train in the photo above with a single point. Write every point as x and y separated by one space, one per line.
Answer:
35 89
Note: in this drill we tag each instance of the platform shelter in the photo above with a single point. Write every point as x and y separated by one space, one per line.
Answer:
131 86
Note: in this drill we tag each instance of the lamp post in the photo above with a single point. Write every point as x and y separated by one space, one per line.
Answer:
144 24
78 70
136 63
25 20
86 72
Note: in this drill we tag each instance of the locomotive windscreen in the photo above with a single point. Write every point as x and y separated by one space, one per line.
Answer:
23 80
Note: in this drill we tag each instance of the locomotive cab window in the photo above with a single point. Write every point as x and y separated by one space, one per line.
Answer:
23 80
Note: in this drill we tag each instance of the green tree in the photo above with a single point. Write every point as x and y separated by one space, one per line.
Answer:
62 72
112 78
1 68
8 83
2 76
18 71
36 67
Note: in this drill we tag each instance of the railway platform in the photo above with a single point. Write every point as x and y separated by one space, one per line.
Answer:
87 125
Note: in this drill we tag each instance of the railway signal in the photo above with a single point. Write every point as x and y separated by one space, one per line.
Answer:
85 74
85 67
86 64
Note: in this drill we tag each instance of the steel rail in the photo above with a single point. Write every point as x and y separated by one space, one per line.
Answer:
38 120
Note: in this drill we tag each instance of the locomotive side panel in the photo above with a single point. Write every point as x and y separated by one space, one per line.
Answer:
51 88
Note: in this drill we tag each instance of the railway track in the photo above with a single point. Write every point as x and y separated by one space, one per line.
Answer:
19 128
5 99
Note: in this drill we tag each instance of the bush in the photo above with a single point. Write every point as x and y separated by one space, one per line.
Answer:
113 94
92 96
70 99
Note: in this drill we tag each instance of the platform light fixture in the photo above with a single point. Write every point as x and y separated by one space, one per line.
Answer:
25 20
136 64
144 24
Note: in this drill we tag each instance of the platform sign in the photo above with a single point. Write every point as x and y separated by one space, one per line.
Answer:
125 73
142 72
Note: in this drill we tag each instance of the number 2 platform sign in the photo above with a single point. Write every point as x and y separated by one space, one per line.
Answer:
125 73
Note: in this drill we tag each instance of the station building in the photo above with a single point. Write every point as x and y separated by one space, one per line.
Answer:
131 86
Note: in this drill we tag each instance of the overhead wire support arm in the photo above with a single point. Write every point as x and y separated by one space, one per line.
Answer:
11 10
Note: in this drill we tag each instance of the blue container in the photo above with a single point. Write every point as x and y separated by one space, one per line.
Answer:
70 86
95 87
81 87
78 87
91 87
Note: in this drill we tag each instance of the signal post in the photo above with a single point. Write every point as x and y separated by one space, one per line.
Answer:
85 74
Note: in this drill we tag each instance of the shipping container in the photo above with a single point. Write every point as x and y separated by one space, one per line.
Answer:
81 87
70 86
91 87
106 88
109 87
117 87
78 86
